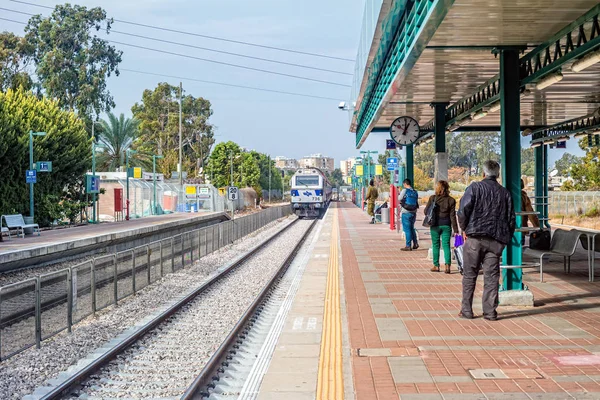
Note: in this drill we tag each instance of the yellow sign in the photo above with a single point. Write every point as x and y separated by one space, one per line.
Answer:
190 190
137 172
349 180
223 191
359 170
378 169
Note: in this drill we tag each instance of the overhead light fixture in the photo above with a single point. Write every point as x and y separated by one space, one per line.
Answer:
429 140
549 81
495 106
526 132
479 114
537 144
453 127
465 121
581 134
525 93
586 61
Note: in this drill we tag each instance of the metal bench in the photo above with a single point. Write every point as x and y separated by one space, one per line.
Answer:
590 241
5 230
17 222
563 243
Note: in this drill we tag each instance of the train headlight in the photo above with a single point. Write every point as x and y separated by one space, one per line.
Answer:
318 205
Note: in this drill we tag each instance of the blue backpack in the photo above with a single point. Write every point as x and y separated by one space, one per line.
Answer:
410 201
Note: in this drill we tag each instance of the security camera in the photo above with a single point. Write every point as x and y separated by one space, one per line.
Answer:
342 105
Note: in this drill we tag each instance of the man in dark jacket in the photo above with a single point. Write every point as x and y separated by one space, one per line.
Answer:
487 218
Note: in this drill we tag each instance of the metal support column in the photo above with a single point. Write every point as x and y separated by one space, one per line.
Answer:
511 157
541 183
441 157
410 164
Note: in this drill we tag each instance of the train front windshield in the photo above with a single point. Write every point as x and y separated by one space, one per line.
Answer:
307 180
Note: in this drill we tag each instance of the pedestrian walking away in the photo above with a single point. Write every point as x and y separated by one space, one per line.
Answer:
372 195
409 204
487 219
444 208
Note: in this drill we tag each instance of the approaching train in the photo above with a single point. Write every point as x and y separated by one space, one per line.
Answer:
311 192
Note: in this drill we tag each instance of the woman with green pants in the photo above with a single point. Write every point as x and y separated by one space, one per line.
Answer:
446 224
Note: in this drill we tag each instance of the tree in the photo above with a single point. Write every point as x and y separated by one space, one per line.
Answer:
337 179
15 56
72 63
118 135
527 162
563 165
65 144
424 157
265 164
586 173
158 114
245 168
422 180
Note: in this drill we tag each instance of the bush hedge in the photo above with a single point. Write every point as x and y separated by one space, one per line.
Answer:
66 144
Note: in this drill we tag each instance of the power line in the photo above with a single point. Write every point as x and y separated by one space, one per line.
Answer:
230 64
207 36
218 62
205 81
205 48
227 84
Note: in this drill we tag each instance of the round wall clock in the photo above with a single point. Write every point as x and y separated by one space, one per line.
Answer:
405 130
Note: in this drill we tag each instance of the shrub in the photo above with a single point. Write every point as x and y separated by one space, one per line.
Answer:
66 144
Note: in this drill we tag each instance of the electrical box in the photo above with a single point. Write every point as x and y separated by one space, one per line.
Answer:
118 199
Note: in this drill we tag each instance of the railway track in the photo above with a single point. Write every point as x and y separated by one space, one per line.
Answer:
188 342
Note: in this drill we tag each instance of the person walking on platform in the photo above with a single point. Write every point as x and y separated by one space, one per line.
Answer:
409 202
372 196
487 219
445 209
528 207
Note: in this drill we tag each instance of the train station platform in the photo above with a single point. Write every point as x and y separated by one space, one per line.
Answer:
33 249
372 322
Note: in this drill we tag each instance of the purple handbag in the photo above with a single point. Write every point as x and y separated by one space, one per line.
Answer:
458 240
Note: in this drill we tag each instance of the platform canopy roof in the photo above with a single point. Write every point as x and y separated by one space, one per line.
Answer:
414 53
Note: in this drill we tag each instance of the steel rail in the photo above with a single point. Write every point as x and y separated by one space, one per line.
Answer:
69 384
218 360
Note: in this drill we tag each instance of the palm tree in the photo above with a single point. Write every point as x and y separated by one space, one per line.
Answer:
117 135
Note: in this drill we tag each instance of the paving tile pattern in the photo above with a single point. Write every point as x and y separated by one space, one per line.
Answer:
408 343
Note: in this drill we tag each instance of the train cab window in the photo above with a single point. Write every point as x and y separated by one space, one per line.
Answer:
307 180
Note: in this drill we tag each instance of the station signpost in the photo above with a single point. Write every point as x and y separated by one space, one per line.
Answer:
232 194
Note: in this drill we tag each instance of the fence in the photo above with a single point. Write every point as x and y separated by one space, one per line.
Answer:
38 308
572 203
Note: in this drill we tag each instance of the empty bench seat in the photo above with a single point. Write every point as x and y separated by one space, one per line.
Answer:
563 243
17 222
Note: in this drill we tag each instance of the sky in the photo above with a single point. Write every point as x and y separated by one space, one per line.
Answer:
272 123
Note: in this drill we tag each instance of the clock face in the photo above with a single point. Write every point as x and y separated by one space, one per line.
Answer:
405 130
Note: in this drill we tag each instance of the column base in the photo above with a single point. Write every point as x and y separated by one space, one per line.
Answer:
520 298
441 167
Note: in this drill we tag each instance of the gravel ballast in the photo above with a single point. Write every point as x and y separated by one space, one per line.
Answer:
22 373
165 361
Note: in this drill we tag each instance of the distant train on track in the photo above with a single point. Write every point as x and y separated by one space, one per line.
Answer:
311 192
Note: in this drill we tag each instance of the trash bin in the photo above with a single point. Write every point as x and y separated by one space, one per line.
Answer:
28 220
385 216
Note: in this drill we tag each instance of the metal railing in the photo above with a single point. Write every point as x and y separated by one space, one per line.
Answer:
38 308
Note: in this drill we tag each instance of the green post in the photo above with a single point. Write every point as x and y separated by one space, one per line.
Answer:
511 156
127 153
410 164
31 168
31 135
93 174
154 157
541 182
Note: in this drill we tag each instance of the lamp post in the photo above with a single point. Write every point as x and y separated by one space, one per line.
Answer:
127 153
269 179
154 157
94 147
31 135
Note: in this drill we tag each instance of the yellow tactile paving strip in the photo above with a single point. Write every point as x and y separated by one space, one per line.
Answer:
330 382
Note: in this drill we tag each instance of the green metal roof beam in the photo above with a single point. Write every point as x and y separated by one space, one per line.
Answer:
540 62
407 46
587 124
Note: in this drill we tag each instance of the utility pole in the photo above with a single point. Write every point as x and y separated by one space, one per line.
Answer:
269 179
93 171
180 139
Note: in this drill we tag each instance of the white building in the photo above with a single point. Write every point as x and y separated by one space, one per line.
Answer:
317 161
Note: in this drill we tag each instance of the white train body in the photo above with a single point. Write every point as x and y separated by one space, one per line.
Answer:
310 192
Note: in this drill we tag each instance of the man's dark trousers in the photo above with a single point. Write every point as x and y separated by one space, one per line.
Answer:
486 253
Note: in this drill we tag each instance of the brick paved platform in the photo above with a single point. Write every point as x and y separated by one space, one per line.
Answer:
402 338
407 341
